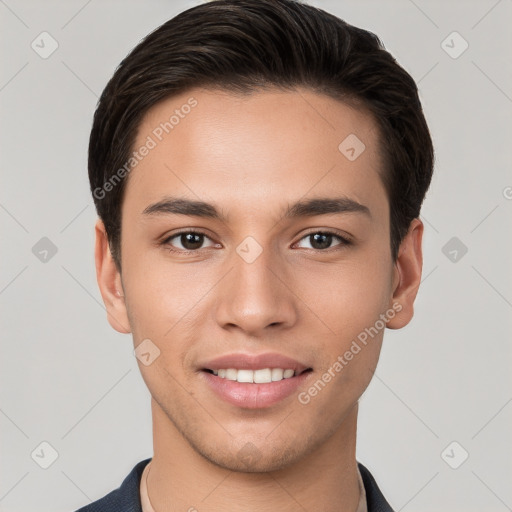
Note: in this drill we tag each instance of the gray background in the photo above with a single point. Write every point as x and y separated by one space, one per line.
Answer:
69 380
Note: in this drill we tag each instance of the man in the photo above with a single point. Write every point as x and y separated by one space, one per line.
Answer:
258 167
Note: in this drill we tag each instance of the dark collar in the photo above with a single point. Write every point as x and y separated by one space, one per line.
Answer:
374 497
127 497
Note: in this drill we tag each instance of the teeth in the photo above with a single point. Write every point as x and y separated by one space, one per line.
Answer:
245 376
231 374
277 374
262 376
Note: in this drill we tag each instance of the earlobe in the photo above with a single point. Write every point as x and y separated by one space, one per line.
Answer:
109 282
407 276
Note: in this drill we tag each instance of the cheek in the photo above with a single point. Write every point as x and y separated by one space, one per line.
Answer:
348 297
163 298
154 303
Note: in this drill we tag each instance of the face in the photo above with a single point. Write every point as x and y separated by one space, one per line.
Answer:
289 258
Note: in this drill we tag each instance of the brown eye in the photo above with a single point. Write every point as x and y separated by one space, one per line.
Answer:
186 241
322 240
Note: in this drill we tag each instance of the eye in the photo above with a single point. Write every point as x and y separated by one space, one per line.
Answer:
322 240
189 240
192 241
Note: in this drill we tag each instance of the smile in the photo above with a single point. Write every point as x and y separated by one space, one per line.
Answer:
262 376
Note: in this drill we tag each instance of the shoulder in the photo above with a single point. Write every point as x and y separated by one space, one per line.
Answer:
375 500
126 497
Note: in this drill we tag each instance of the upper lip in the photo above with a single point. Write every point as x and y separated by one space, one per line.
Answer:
246 361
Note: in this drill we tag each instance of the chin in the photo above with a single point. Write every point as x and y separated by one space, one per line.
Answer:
262 463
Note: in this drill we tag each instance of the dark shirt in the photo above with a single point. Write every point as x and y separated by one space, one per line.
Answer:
126 498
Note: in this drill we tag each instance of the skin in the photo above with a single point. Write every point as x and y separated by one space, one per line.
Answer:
269 148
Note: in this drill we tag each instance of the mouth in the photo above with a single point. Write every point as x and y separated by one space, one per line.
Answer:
258 376
254 381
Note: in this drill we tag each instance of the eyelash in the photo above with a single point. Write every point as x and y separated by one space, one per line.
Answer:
166 242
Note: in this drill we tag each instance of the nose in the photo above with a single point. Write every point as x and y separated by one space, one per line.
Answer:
256 296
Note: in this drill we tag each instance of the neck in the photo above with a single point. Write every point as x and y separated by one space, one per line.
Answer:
181 479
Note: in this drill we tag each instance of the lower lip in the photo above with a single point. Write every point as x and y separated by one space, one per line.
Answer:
254 396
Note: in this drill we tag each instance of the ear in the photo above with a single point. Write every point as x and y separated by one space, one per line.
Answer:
109 282
407 276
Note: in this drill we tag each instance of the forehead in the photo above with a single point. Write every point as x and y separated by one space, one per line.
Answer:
267 145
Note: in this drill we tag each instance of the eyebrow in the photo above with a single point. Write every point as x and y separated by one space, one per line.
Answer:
308 208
